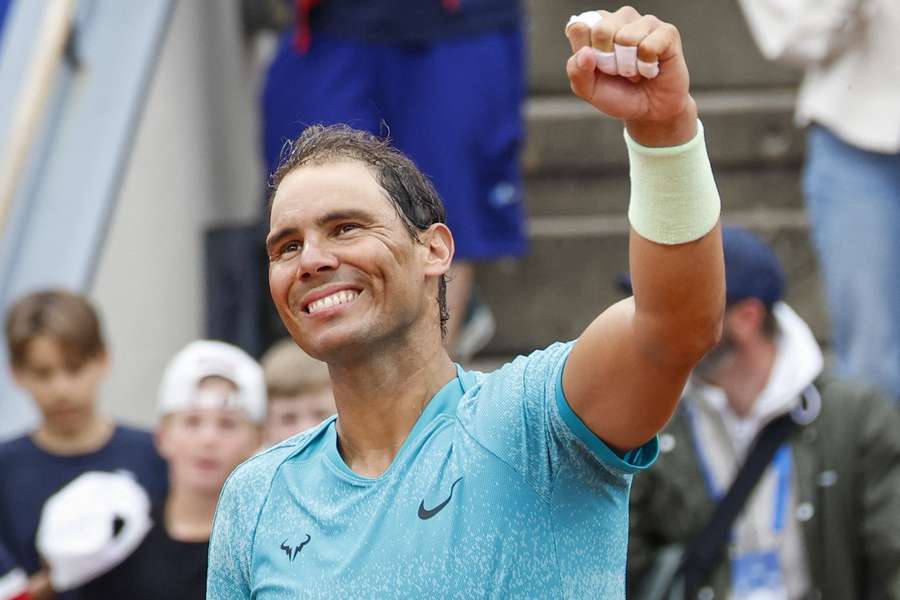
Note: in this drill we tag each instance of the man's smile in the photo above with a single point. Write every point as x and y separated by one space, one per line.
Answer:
318 302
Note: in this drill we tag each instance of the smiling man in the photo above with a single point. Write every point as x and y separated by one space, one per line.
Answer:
435 482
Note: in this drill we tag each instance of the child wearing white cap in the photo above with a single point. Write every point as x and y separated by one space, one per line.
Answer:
211 401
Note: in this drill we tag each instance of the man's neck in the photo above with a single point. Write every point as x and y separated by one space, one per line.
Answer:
89 438
189 514
745 378
380 399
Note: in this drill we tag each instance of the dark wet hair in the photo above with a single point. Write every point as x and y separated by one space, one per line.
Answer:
411 192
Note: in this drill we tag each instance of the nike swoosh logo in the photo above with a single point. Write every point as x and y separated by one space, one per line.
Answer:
427 513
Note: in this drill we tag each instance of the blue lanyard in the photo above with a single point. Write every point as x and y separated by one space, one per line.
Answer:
781 462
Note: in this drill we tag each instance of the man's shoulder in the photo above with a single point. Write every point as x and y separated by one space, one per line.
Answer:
852 410
835 389
845 401
252 478
540 364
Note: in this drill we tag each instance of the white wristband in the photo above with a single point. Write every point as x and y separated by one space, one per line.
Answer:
674 199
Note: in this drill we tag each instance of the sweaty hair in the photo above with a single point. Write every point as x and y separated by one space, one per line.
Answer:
290 371
412 194
67 318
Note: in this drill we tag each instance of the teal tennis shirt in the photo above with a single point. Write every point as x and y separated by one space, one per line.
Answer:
499 491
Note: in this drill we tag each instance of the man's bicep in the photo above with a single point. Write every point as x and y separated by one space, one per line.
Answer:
615 383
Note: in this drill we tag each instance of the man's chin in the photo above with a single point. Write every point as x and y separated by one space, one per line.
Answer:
335 345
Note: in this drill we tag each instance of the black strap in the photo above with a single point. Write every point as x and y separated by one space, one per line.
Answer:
706 546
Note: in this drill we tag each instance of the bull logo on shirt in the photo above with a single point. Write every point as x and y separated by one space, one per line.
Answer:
292 552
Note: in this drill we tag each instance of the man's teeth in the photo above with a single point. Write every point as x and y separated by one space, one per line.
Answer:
342 297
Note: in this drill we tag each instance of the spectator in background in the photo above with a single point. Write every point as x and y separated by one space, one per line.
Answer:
13 581
58 355
850 98
446 79
824 519
299 391
212 400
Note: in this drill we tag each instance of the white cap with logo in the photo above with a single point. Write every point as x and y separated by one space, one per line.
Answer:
91 525
207 358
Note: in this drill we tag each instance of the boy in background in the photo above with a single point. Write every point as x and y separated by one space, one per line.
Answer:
58 355
212 400
299 388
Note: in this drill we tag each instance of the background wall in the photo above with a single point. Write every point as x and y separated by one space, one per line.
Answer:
194 164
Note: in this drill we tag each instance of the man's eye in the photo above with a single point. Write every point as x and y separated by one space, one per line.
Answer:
290 248
347 227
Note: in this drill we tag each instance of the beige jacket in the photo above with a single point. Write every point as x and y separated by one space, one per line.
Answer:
850 51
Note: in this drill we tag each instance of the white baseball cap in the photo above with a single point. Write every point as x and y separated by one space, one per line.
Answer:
91 525
207 358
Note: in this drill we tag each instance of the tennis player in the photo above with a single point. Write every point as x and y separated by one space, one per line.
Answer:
436 482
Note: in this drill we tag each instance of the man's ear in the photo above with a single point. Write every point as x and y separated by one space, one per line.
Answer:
438 243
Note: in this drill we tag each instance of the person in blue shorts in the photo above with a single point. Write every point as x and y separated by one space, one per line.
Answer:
446 80
437 482
58 355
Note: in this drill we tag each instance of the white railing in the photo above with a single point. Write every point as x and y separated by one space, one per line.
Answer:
32 100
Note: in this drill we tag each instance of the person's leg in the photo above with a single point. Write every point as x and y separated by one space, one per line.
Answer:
853 198
331 83
455 108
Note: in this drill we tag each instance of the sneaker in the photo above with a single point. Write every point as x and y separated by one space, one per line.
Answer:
476 331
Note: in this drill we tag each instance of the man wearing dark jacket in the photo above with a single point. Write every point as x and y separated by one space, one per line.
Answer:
824 519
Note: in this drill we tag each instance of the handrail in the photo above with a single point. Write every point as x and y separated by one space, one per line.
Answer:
48 53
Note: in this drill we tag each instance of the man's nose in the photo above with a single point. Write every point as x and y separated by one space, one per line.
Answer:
316 257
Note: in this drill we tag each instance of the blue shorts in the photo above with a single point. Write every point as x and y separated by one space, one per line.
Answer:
454 107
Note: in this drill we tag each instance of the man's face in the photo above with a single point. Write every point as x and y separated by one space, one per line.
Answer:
64 390
344 272
290 415
204 445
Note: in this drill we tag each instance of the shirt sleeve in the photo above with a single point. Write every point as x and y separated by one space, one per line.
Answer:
520 413
234 528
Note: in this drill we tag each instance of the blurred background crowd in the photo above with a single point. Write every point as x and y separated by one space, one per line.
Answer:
137 140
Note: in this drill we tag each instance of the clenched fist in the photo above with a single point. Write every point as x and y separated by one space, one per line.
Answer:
631 66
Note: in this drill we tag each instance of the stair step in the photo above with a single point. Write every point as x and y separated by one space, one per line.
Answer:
568 277
568 136
719 49
584 196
